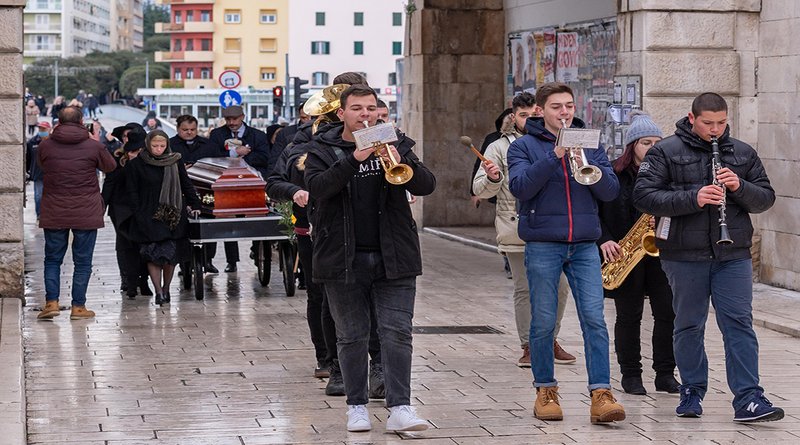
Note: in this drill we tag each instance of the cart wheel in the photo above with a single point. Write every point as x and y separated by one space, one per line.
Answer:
186 269
263 261
287 253
196 272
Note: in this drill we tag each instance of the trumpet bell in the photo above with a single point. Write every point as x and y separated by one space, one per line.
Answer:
588 175
399 174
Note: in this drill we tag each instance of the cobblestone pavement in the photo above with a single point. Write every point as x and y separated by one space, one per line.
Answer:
236 368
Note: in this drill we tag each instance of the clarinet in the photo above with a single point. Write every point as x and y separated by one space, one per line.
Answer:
716 165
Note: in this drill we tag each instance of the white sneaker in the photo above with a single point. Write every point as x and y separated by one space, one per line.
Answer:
358 418
404 418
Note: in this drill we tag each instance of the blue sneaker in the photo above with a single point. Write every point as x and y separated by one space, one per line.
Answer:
759 409
691 403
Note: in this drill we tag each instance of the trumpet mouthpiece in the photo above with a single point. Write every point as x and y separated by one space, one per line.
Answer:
465 140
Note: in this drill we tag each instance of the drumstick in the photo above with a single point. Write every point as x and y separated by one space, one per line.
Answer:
467 142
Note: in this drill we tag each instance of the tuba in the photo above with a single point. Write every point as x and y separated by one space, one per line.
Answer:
638 242
583 172
324 102
395 172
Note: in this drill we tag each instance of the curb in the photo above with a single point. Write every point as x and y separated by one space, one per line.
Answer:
12 392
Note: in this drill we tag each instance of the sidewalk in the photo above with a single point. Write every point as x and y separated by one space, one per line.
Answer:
774 308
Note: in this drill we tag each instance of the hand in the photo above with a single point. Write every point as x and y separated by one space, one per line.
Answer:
710 194
194 213
188 166
611 251
362 155
384 153
300 198
728 178
95 132
652 222
560 151
476 202
492 170
412 199
243 151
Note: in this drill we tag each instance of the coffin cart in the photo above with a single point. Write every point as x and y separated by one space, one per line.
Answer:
234 209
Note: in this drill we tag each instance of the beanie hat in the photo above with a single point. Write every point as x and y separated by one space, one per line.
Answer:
642 126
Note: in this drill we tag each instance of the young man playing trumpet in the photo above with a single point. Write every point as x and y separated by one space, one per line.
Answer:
559 223
367 253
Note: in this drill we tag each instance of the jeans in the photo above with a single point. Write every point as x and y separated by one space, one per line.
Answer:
393 300
55 246
729 284
38 188
544 262
314 299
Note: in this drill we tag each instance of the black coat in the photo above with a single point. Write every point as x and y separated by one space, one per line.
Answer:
671 175
143 184
256 139
201 148
329 179
288 178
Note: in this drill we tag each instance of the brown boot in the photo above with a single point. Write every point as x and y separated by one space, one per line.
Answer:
49 310
80 313
525 360
605 407
562 357
546 406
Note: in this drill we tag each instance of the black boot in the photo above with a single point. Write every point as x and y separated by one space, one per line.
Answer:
633 385
165 298
335 386
144 289
667 383
159 299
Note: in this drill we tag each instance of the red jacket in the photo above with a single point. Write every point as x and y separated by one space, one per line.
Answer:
71 197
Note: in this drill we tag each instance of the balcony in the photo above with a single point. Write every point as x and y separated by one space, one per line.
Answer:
194 27
40 28
40 6
168 83
184 56
185 2
34 51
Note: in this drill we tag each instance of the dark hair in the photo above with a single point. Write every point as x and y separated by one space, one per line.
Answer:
548 89
708 102
350 78
358 90
626 158
300 107
382 104
70 115
523 100
185 118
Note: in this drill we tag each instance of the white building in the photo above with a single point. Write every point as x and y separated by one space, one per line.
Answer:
327 38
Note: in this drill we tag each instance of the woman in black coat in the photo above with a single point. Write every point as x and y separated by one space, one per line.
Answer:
646 279
160 190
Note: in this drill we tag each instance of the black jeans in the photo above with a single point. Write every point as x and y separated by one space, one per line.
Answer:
647 278
132 267
393 302
314 302
231 251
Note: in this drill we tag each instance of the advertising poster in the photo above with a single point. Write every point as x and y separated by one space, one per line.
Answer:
567 59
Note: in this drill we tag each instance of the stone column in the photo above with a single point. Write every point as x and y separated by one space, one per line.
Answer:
452 86
11 149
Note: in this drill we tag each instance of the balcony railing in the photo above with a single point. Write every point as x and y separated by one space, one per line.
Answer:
180 2
42 6
184 56
194 27
42 27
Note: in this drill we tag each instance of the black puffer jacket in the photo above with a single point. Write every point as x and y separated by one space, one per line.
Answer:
329 181
676 169
618 216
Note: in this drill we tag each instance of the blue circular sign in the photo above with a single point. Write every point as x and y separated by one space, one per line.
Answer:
230 97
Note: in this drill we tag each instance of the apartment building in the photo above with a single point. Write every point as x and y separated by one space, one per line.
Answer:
127 32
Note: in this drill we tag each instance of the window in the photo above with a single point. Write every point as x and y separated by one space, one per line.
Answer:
397 48
392 78
320 19
177 45
42 20
190 73
319 78
178 18
205 44
189 16
233 16
397 19
189 45
358 19
232 68
268 73
43 42
358 48
233 45
268 45
205 73
205 16
320 47
268 16
178 74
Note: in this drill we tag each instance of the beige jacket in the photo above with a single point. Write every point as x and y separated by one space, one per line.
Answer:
505 221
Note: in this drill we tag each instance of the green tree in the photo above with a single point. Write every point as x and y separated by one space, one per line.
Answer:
158 42
74 73
153 14
134 77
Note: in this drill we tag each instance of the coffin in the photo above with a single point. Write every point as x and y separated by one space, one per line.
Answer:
229 187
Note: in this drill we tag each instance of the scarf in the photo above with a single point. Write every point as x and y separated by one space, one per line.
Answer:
170 200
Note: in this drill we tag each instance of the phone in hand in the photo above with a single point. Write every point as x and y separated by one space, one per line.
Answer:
90 127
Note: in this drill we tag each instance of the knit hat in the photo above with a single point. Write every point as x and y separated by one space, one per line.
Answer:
642 126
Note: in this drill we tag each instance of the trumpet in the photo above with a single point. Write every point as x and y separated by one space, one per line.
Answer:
583 172
396 173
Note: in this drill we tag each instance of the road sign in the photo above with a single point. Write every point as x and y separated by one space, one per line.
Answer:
230 97
229 79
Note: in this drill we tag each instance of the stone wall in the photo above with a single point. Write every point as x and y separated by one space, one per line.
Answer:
452 87
778 64
11 149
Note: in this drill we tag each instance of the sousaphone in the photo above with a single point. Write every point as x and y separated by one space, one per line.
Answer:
321 103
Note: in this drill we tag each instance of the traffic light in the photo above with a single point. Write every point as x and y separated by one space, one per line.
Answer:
299 91
277 99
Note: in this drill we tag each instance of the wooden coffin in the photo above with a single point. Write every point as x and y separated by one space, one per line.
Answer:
229 187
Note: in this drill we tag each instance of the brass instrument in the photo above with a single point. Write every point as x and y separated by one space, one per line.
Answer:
395 172
638 242
324 102
716 165
583 172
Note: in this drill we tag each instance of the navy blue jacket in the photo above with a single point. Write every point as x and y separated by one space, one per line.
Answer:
553 207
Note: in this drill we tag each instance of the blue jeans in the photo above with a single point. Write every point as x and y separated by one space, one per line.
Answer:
38 188
55 246
729 285
393 301
580 262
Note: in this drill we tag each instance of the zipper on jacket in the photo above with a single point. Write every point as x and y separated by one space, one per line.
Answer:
569 199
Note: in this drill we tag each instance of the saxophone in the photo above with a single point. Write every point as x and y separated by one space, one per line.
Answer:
638 242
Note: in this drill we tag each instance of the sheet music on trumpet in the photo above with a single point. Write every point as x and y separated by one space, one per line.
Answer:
370 137
579 137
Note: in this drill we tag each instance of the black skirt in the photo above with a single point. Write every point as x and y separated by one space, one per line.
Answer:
161 252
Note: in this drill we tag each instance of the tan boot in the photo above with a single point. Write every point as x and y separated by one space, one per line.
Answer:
49 310
80 313
562 357
546 406
605 407
525 360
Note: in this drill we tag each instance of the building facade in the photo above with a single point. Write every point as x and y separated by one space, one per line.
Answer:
127 32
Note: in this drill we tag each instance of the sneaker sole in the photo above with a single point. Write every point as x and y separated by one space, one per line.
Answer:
48 316
690 414
611 416
564 362
769 417
80 317
417 427
523 365
321 374
359 429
